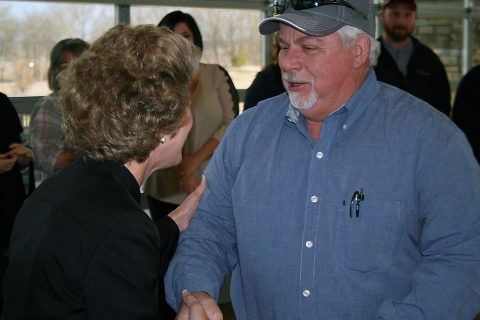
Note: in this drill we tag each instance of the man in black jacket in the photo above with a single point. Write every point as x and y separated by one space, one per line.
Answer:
407 63
466 109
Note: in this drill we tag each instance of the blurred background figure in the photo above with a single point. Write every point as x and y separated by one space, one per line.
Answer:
267 83
82 247
407 63
466 110
14 156
214 106
49 149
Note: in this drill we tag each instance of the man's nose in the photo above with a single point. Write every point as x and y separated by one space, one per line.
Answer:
290 61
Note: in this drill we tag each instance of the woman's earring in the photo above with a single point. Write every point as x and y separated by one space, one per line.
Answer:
163 140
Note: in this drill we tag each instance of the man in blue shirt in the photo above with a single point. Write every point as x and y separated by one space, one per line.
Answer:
344 198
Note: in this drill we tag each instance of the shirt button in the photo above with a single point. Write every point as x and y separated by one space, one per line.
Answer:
309 244
306 293
345 127
314 199
319 155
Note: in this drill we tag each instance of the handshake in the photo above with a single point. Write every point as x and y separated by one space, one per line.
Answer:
198 306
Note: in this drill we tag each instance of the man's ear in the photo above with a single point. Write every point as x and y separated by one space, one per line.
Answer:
361 50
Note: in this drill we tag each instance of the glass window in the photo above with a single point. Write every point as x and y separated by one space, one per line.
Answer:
444 36
476 41
230 37
29 30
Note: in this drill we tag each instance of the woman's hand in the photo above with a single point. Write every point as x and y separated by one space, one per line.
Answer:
184 213
24 155
7 161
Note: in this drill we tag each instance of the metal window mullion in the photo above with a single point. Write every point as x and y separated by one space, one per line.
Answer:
467 36
122 14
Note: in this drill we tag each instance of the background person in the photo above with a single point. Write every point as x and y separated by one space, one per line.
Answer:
46 139
345 199
81 246
14 156
466 111
407 63
267 83
214 106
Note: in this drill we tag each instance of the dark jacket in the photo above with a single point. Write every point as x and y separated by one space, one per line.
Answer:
82 248
466 110
12 191
267 83
426 76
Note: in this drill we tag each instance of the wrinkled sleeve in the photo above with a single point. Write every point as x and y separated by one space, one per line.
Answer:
446 283
45 135
207 249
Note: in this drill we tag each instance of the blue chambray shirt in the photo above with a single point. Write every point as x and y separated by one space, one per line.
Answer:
277 212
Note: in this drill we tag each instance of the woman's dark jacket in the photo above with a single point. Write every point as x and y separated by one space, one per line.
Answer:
82 248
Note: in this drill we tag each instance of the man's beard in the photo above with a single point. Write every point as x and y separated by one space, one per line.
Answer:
397 36
305 104
295 97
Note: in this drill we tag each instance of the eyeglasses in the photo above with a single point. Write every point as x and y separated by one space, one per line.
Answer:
279 6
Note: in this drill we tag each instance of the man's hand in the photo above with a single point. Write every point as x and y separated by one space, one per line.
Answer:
199 306
184 213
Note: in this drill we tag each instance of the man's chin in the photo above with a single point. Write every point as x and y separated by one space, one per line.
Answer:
304 105
399 36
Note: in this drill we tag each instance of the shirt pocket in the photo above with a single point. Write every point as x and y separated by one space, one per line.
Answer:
365 243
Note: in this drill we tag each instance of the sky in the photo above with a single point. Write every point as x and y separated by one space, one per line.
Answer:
18 7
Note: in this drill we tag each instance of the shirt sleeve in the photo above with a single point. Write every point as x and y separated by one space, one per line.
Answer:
207 249
226 95
45 134
445 283
122 279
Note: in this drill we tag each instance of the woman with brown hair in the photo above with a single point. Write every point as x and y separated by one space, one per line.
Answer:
82 248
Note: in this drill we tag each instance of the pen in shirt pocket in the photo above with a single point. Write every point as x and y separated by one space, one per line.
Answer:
357 197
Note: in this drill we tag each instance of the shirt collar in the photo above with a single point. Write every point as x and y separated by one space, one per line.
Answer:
362 98
292 113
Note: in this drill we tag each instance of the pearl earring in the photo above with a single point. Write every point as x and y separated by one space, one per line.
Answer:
163 140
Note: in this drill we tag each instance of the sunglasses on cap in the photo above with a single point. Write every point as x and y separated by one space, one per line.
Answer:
279 6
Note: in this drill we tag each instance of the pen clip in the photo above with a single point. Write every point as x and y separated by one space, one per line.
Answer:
356 197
